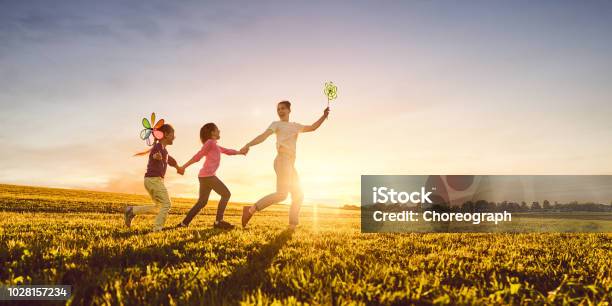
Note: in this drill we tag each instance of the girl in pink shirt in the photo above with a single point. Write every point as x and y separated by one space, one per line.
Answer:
209 134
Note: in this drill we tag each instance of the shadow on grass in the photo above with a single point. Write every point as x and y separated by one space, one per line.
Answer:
247 277
163 255
90 280
108 263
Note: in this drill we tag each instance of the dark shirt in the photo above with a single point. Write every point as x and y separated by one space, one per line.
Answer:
155 167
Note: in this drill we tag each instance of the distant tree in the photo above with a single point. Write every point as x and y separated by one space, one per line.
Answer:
481 205
536 206
502 206
524 206
491 206
513 206
467 206
546 204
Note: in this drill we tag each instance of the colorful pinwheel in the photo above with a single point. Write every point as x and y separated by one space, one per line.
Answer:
331 91
149 130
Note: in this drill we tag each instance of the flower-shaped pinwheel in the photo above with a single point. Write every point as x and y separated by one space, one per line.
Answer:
331 91
149 130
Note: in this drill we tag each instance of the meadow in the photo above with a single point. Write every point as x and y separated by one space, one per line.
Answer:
71 237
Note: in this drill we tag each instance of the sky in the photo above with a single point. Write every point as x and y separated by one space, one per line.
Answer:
424 87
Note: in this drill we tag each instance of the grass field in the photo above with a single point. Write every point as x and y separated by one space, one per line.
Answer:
54 236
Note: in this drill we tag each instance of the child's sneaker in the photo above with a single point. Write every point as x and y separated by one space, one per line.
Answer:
223 225
180 225
129 215
246 215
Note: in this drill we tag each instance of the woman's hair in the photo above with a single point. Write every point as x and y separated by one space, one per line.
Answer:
206 131
285 103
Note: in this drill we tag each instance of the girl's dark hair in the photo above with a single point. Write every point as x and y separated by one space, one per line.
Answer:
206 131
166 128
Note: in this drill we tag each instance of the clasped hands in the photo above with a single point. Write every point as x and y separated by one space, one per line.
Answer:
181 170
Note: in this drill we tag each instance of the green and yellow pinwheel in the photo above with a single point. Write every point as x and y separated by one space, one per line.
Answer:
331 91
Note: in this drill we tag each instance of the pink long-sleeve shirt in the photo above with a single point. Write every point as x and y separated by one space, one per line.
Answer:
212 151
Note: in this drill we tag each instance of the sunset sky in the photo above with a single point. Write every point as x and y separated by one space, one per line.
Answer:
425 87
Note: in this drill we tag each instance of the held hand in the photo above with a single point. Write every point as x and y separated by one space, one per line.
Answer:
244 150
157 156
326 112
180 170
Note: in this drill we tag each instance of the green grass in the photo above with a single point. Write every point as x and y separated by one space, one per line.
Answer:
54 236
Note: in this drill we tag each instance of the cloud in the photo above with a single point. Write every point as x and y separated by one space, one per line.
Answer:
188 34
64 162
122 22
129 182
44 25
147 27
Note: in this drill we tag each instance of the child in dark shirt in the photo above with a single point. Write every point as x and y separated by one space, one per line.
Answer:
154 181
